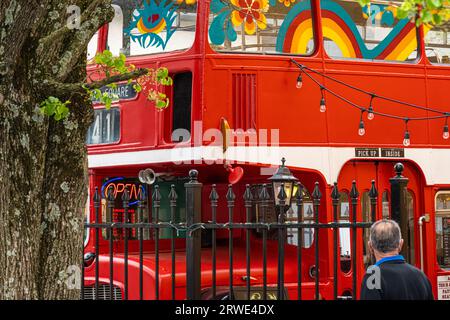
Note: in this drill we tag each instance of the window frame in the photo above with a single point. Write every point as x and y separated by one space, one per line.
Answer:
419 39
439 213
444 65
101 107
345 219
177 51
167 120
88 218
315 38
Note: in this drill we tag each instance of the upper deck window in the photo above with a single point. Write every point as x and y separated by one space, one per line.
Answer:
143 27
261 26
92 47
437 43
372 32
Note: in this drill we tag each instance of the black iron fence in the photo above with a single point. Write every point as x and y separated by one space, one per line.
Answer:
133 226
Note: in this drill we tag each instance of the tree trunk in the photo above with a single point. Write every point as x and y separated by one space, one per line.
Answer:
43 163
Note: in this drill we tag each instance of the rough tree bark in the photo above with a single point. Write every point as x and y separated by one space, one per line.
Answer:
43 180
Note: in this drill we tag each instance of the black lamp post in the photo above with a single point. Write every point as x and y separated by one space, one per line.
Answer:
283 189
283 177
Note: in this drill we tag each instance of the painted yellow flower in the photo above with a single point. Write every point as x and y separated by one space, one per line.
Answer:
251 13
187 1
287 3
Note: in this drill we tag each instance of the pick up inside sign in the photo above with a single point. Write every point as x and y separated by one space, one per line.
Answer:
375 153
367 152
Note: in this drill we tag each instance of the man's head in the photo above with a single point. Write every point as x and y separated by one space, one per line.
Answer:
385 238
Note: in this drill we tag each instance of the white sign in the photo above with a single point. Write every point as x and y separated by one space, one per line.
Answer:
443 286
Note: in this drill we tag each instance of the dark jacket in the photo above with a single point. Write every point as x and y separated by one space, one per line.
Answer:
399 281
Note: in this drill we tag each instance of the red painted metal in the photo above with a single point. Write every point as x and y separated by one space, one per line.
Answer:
258 91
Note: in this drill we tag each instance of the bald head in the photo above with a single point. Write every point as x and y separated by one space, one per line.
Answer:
385 236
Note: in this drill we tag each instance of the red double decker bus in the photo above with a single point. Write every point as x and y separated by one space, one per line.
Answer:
373 93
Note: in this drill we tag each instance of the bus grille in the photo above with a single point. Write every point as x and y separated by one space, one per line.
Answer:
104 292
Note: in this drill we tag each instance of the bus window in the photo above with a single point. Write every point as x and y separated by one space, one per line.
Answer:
105 128
344 233
308 217
155 26
261 26
87 219
92 47
178 118
437 43
371 32
410 209
443 229
366 217
385 205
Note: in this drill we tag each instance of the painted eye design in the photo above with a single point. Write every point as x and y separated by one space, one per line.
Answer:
149 23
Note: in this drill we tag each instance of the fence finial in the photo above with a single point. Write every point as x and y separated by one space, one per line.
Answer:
399 169
335 195
316 193
96 196
230 194
141 197
264 195
111 196
213 196
156 197
373 193
126 195
193 175
248 196
173 194
354 194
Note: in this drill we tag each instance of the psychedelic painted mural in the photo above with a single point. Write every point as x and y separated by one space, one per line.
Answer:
152 26
148 23
372 32
250 25
285 26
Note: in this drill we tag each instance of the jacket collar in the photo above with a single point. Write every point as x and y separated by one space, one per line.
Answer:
391 258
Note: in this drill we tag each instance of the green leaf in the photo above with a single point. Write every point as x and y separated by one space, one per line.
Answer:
137 88
426 16
434 4
54 107
161 104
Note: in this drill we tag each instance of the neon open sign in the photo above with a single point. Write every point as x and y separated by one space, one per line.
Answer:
118 186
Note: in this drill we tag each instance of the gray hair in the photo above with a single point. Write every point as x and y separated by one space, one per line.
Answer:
385 235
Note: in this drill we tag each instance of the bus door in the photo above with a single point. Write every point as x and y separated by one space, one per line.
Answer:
363 172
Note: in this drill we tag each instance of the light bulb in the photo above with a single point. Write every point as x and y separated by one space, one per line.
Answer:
299 82
406 140
445 134
361 130
370 115
323 106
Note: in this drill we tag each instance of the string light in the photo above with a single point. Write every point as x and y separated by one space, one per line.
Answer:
445 134
406 138
370 111
370 114
299 81
362 129
323 106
